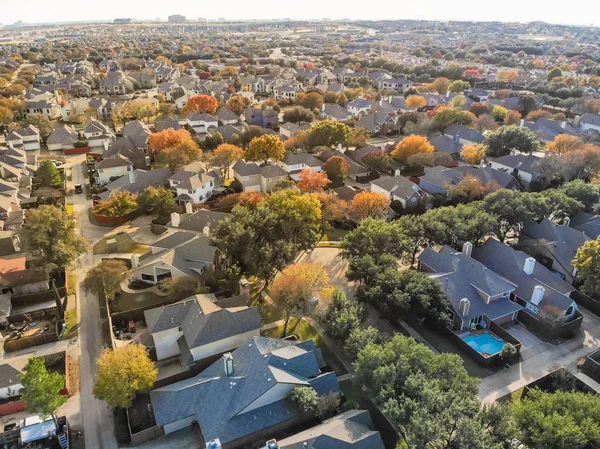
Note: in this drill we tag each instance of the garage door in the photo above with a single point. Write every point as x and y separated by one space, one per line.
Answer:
178 425
255 188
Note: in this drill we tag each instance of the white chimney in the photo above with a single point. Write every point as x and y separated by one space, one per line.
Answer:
467 248
522 123
132 177
206 231
513 152
228 363
567 221
464 306
537 295
563 124
339 147
397 172
189 208
175 219
529 266
135 260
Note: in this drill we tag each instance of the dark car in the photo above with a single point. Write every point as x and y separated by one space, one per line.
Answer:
78 188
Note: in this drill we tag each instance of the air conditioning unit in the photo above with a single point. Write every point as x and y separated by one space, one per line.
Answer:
214 444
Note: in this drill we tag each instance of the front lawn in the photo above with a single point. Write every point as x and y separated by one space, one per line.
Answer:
130 301
334 235
303 330
124 245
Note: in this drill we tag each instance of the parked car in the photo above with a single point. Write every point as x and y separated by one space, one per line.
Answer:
78 188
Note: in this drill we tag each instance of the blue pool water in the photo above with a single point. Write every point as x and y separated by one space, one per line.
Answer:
484 343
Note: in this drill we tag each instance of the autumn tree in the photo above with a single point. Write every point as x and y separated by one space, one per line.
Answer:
40 391
298 115
499 113
123 372
416 102
564 143
106 277
445 116
178 155
336 169
328 133
440 85
312 181
42 123
411 145
295 289
459 86
509 76
225 155
6 115
479 109
378 161
367 205
512 118
312 100
473 154
117 205
534 116
358 137
238 104
471 189
201 103
485 122
168 138
264 148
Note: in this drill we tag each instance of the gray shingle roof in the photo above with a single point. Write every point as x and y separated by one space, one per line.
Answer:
200 219
509 264
461 276
587 223
226 407
397 185
521 162
353 429
202 322
465 133
445 144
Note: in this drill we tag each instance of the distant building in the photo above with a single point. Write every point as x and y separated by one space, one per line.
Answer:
176 18
123 21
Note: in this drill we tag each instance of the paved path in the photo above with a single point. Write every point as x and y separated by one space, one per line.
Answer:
98 427
567 354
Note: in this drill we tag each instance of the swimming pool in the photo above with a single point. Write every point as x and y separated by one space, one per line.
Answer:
485 343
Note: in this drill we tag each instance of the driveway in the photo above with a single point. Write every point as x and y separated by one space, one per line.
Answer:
530 344
538 365
98 427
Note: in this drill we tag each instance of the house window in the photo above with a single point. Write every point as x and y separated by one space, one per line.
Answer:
129 168
211 183
413 201
101 170
506 294
147 277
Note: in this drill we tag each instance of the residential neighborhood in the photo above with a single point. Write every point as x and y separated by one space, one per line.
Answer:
299 234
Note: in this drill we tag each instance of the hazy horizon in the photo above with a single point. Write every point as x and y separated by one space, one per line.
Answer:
38 11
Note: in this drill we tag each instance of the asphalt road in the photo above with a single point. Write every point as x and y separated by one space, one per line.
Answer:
98 427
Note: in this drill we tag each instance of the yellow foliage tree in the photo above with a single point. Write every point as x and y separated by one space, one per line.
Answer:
416 101
367 205
564 143
473 154
412 145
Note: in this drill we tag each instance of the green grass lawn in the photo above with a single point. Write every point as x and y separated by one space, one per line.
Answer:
70 322
131 301
270 313
352 391
71 282
334 235
124 245
303 330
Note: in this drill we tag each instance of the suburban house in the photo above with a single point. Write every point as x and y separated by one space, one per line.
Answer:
480 95
518 165
465 136
177 255
27 138
547 130
588 224
356 171
353 429
117 83
487 175
397 84
359 107
252 177
226 116
289 130
201 122
377 123
242 398
401 189
554 246
111 168
537 289
589 121
446 144
125 147
193 184
294 163
137 132
136 182
333 111
265 118
167 123
474 291
62 138
97 134
197 328
201 221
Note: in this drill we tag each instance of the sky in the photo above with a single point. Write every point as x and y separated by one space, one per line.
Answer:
583 12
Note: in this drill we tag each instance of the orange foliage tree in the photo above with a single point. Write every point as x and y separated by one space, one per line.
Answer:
336 168
416 101
473 154
312 181
201 103
168 138
225 155
564 143
367 204
512 118
507 75
412 145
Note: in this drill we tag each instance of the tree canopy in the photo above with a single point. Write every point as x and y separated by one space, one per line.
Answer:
48 175
264 148
512 137
106 277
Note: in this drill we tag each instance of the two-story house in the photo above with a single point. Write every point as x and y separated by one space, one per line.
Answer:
252 177
201 122
193 184
111 168
401 189
62 138
97 134
294 163
117 83
27 138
